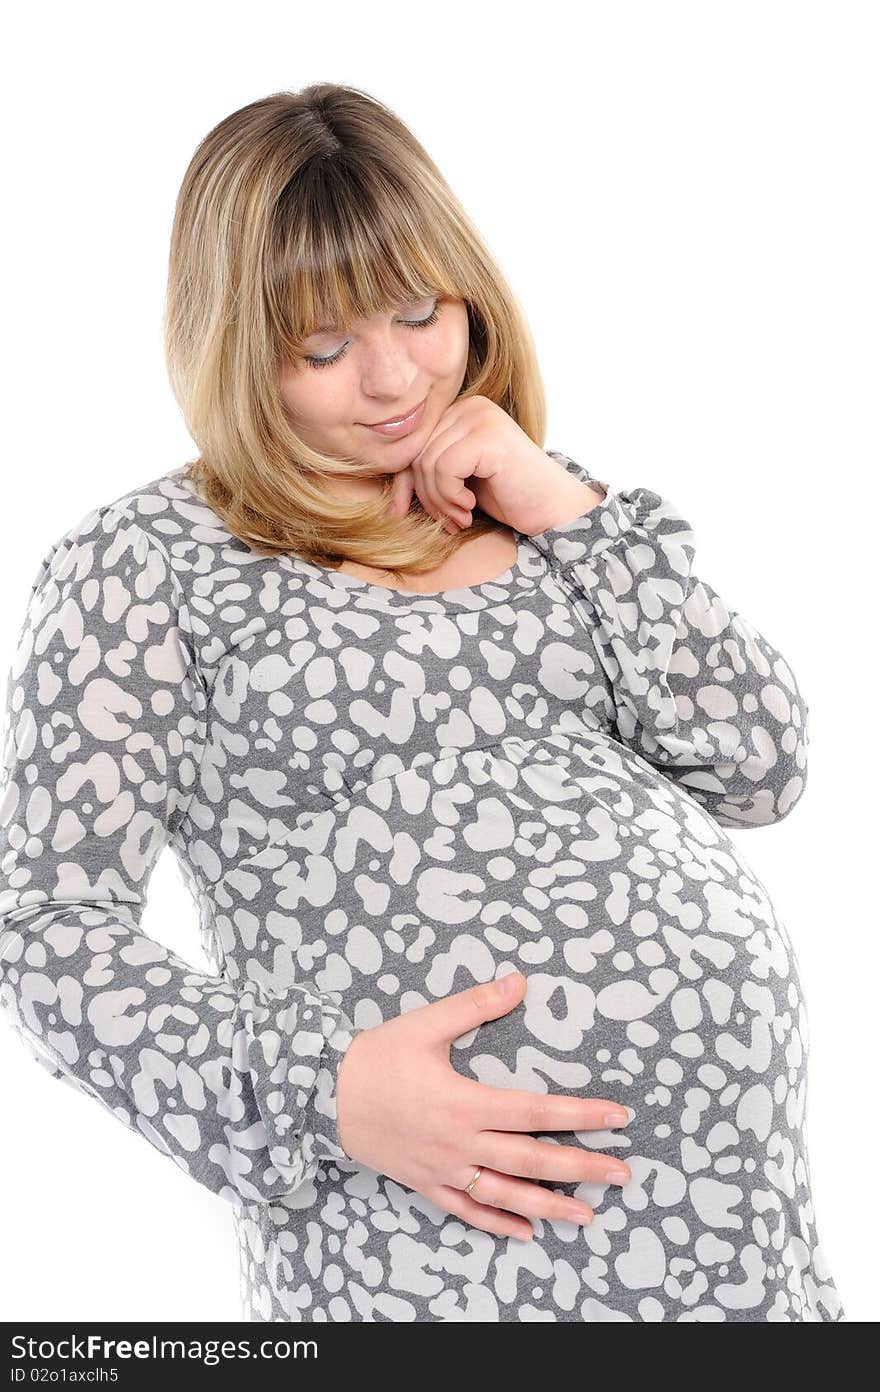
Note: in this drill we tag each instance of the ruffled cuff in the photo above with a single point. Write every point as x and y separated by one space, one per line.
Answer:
320 1118
584 537
310 1037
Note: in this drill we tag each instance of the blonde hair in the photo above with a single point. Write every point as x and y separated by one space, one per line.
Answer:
305 208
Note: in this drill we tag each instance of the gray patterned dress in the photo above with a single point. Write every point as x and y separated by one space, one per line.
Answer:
377 799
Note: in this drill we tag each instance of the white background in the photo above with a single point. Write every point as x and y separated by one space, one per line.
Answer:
684 197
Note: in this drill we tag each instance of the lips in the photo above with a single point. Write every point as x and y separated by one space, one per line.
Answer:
395 427
396 420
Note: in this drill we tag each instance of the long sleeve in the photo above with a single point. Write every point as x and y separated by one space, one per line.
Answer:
698 691
106 723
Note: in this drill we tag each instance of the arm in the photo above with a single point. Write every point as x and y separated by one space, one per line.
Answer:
106 727
699 693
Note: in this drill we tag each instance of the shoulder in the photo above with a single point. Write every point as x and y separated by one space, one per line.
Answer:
164 515
157 545
173 516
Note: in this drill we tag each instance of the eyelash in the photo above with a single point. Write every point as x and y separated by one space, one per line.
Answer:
410 324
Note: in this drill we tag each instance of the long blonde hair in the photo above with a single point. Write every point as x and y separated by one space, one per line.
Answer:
305 208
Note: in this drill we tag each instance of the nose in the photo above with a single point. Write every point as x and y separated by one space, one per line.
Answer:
389 373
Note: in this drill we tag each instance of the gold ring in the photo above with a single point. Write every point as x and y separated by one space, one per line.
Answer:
477 1172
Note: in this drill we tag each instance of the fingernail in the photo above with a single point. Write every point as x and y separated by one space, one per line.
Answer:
615 1119
509 983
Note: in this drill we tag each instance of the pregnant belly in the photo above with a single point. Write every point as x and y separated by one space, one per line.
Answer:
658 975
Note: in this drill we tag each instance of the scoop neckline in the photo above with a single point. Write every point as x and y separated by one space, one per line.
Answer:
510 584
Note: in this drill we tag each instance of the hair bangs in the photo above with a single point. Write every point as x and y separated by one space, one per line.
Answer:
348 248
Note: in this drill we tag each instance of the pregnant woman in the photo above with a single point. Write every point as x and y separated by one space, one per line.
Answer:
448 737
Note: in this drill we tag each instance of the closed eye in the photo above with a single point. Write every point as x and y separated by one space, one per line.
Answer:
407 323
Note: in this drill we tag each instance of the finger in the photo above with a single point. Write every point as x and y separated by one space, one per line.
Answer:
453 518
455 514
458 508
533 1159
440 468
401 493
514 1109
454 429
451 1016
478 1215
427 491
449 469
449 486
496 1190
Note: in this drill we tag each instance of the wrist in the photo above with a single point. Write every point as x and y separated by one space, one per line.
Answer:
574 499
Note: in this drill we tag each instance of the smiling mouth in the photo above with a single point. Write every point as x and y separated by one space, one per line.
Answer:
397 420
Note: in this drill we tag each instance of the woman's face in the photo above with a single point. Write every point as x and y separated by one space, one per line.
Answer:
373 370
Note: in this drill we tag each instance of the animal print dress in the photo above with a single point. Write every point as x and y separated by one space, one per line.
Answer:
376 799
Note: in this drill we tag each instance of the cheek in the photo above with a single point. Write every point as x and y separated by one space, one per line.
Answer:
447 353
318 397
294 393
457 339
